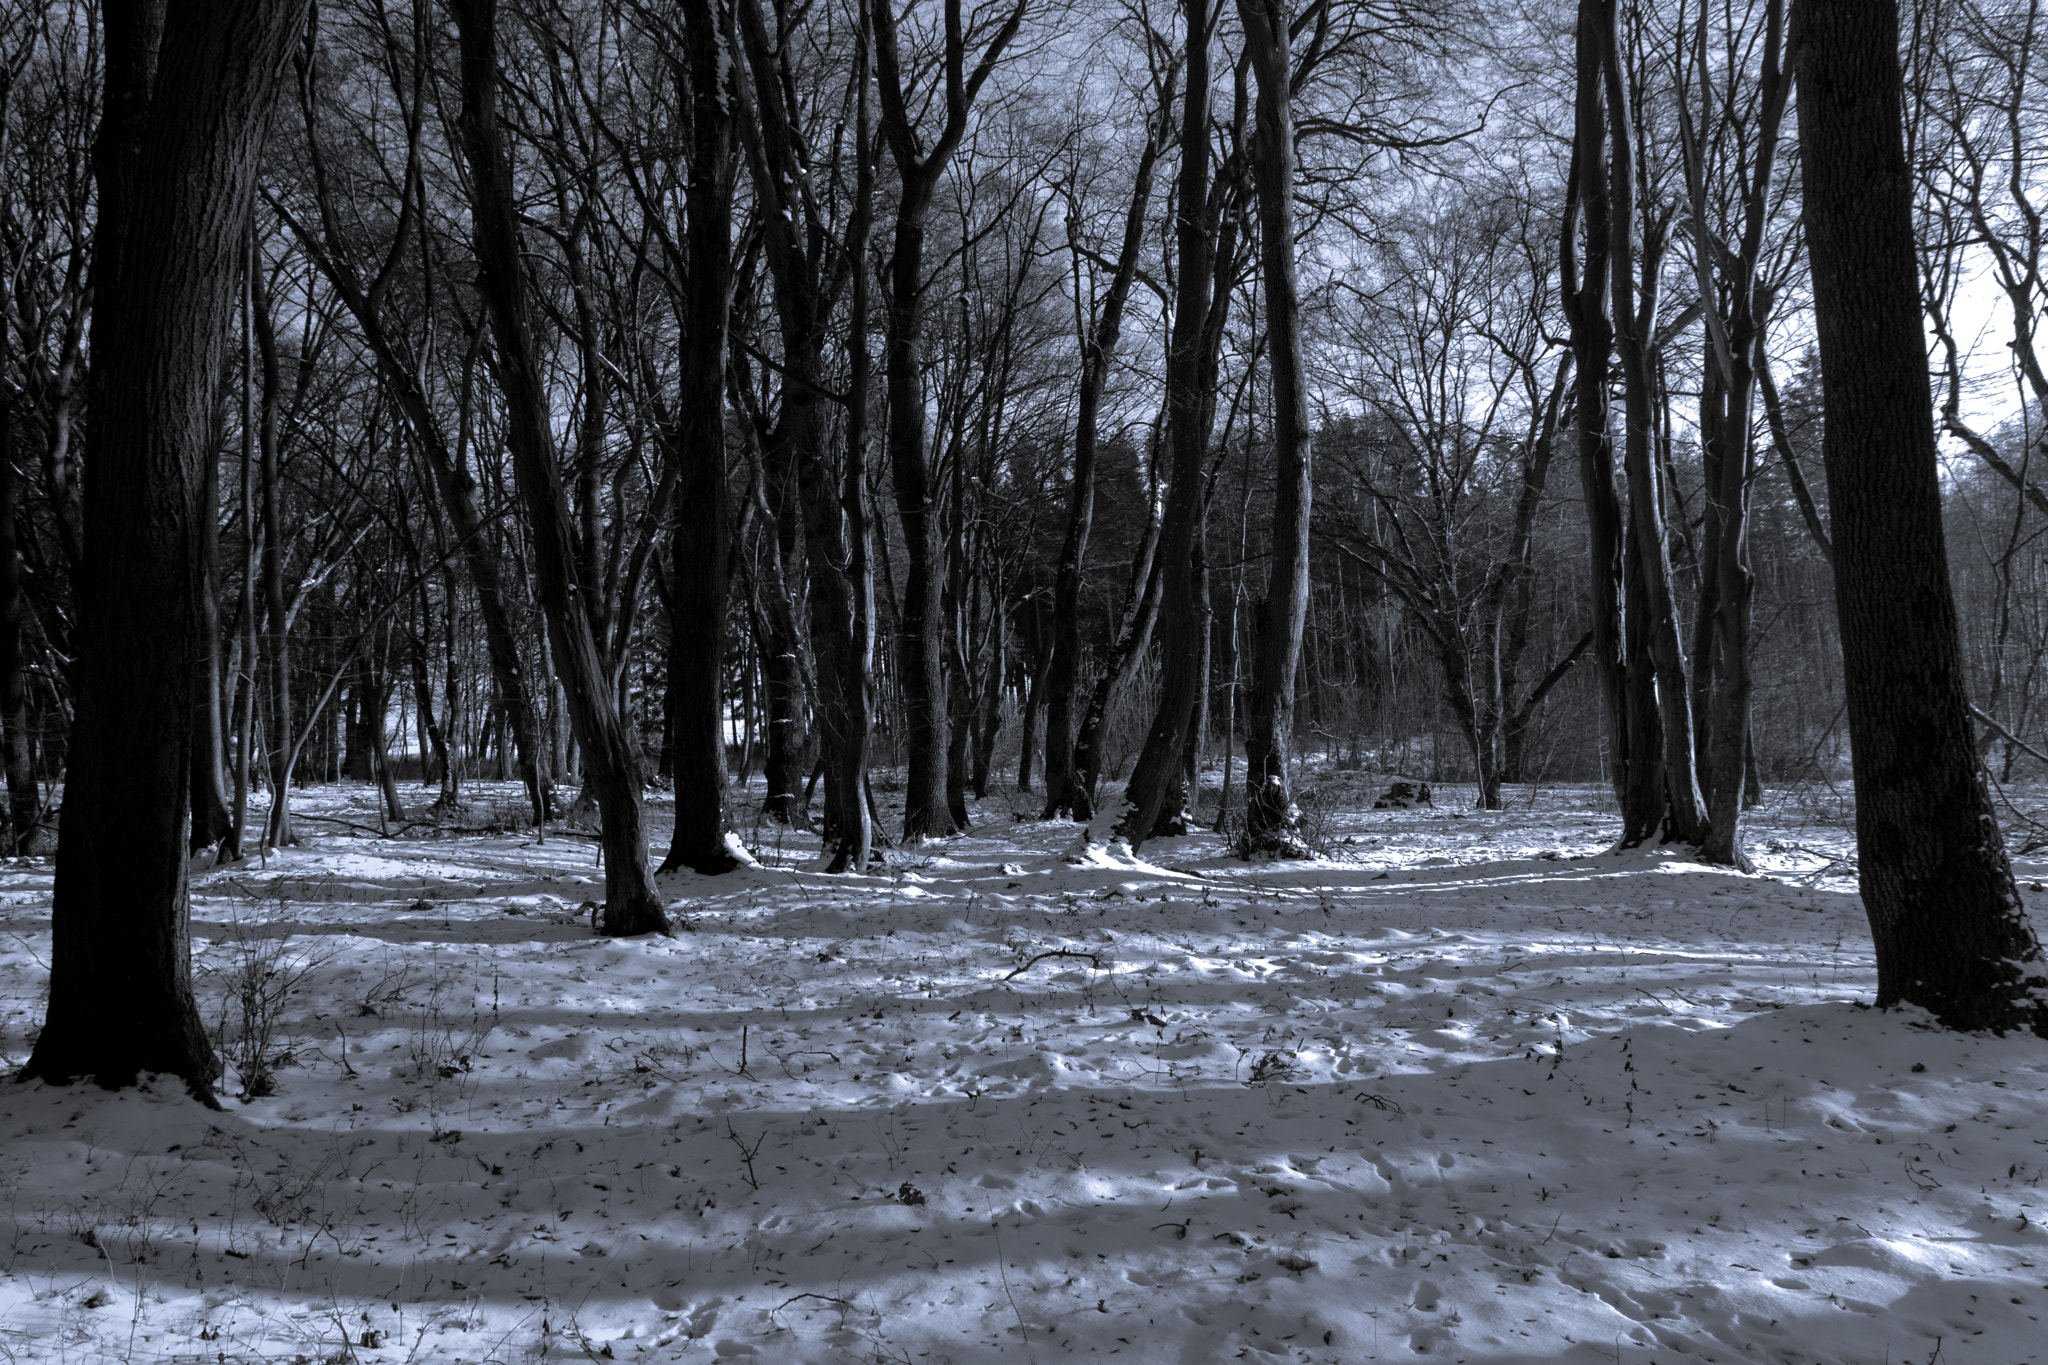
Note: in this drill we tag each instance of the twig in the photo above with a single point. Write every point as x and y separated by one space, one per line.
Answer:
1093 960
746 1152
1022 1330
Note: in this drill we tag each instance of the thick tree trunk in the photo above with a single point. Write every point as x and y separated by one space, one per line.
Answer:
921 639
1730 283
1950 932
1271 822
176 157
699 548
1584 256
835 527
1190 405
631 905
853 706
245 672
1672 804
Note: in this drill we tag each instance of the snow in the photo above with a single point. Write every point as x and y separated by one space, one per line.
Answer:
1472 1089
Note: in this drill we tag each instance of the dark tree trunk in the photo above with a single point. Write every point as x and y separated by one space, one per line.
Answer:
24 806
1598 243
853 707
788 757
1667 802
699 549
1730 283
835 525
611 772
921 641
1950 932
1271 822
176 158
1034 695
1190 406
245 606
927 807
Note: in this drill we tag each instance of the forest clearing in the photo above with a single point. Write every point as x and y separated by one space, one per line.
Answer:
1470 1088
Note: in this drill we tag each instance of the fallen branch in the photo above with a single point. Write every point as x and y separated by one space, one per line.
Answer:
2009 737
360 829
1093 961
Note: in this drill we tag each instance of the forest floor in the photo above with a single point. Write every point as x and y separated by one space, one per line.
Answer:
1468 1089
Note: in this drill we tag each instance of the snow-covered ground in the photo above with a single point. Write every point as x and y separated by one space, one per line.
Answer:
1469 1090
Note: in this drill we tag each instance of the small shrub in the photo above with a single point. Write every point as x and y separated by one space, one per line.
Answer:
260 973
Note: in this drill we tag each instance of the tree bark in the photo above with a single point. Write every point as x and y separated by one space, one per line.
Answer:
1584 257
1950 932
176 158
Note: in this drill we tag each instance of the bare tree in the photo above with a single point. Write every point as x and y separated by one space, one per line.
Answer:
928 807
631 905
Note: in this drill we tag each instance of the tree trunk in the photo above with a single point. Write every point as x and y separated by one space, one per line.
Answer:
1190 406
921 637
631 906
1950 932
699 547
1670 804
24 806
835 529
921 642
1583 292
277 827
788 757
176 157
1271 822
245 609
1063 670
1141 614
211 823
